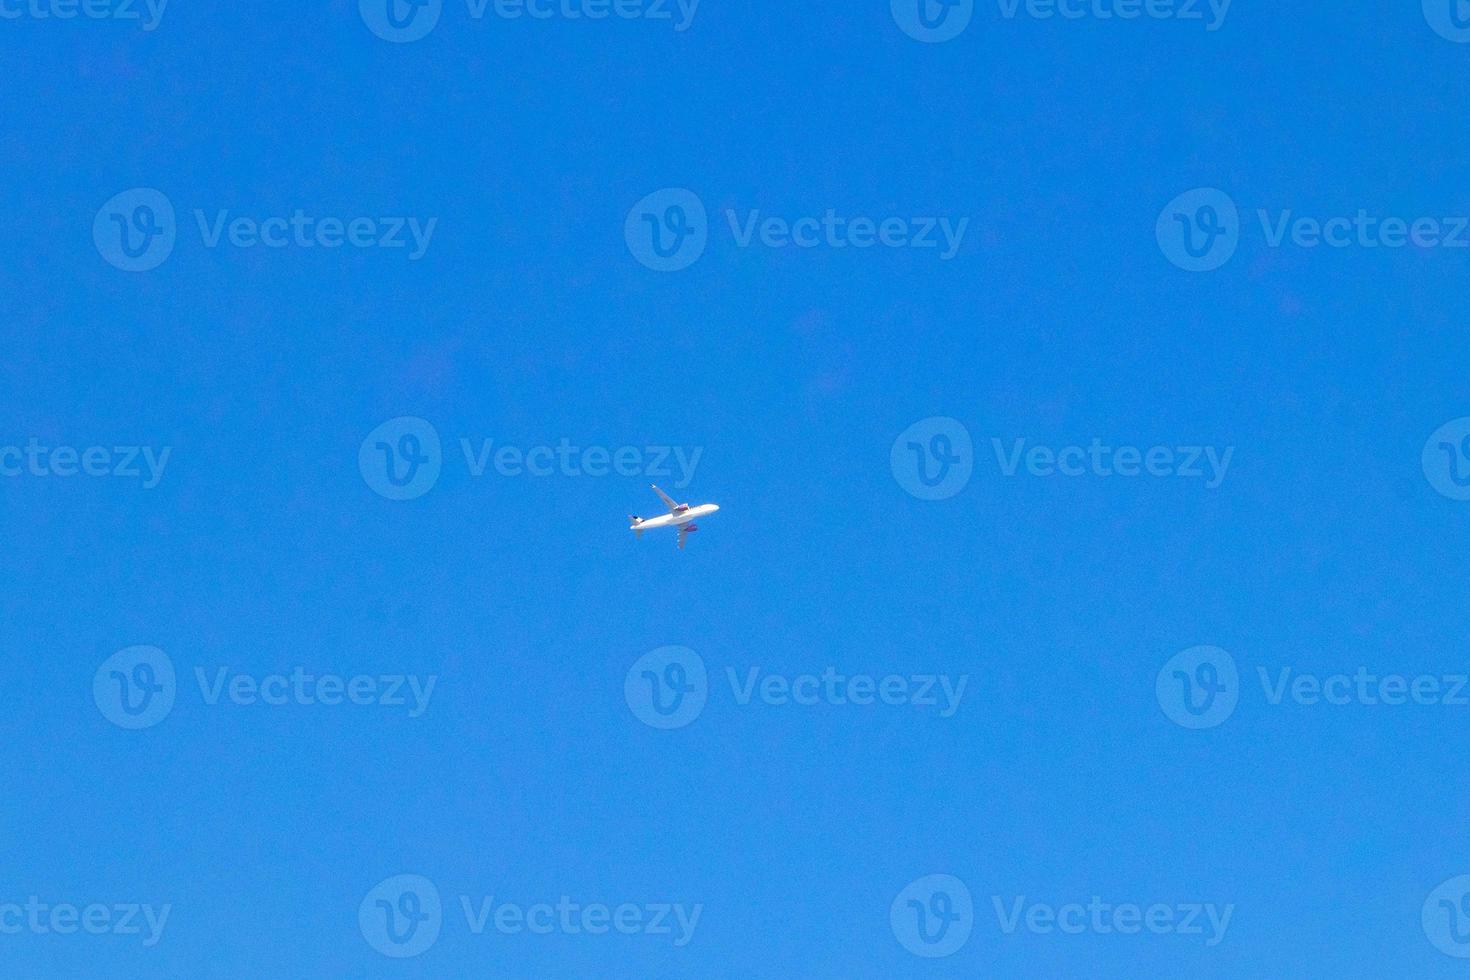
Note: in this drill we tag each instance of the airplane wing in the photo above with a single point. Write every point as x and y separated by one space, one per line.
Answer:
684 533
669 503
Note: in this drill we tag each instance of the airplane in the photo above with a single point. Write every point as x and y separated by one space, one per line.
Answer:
681 516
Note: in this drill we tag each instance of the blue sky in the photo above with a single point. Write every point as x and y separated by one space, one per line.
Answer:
791 381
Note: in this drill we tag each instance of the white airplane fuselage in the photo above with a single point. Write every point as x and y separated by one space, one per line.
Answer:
676 519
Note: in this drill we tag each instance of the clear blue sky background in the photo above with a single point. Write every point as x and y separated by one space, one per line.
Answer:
529 321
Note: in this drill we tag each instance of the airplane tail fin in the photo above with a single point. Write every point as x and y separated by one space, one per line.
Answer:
633 522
